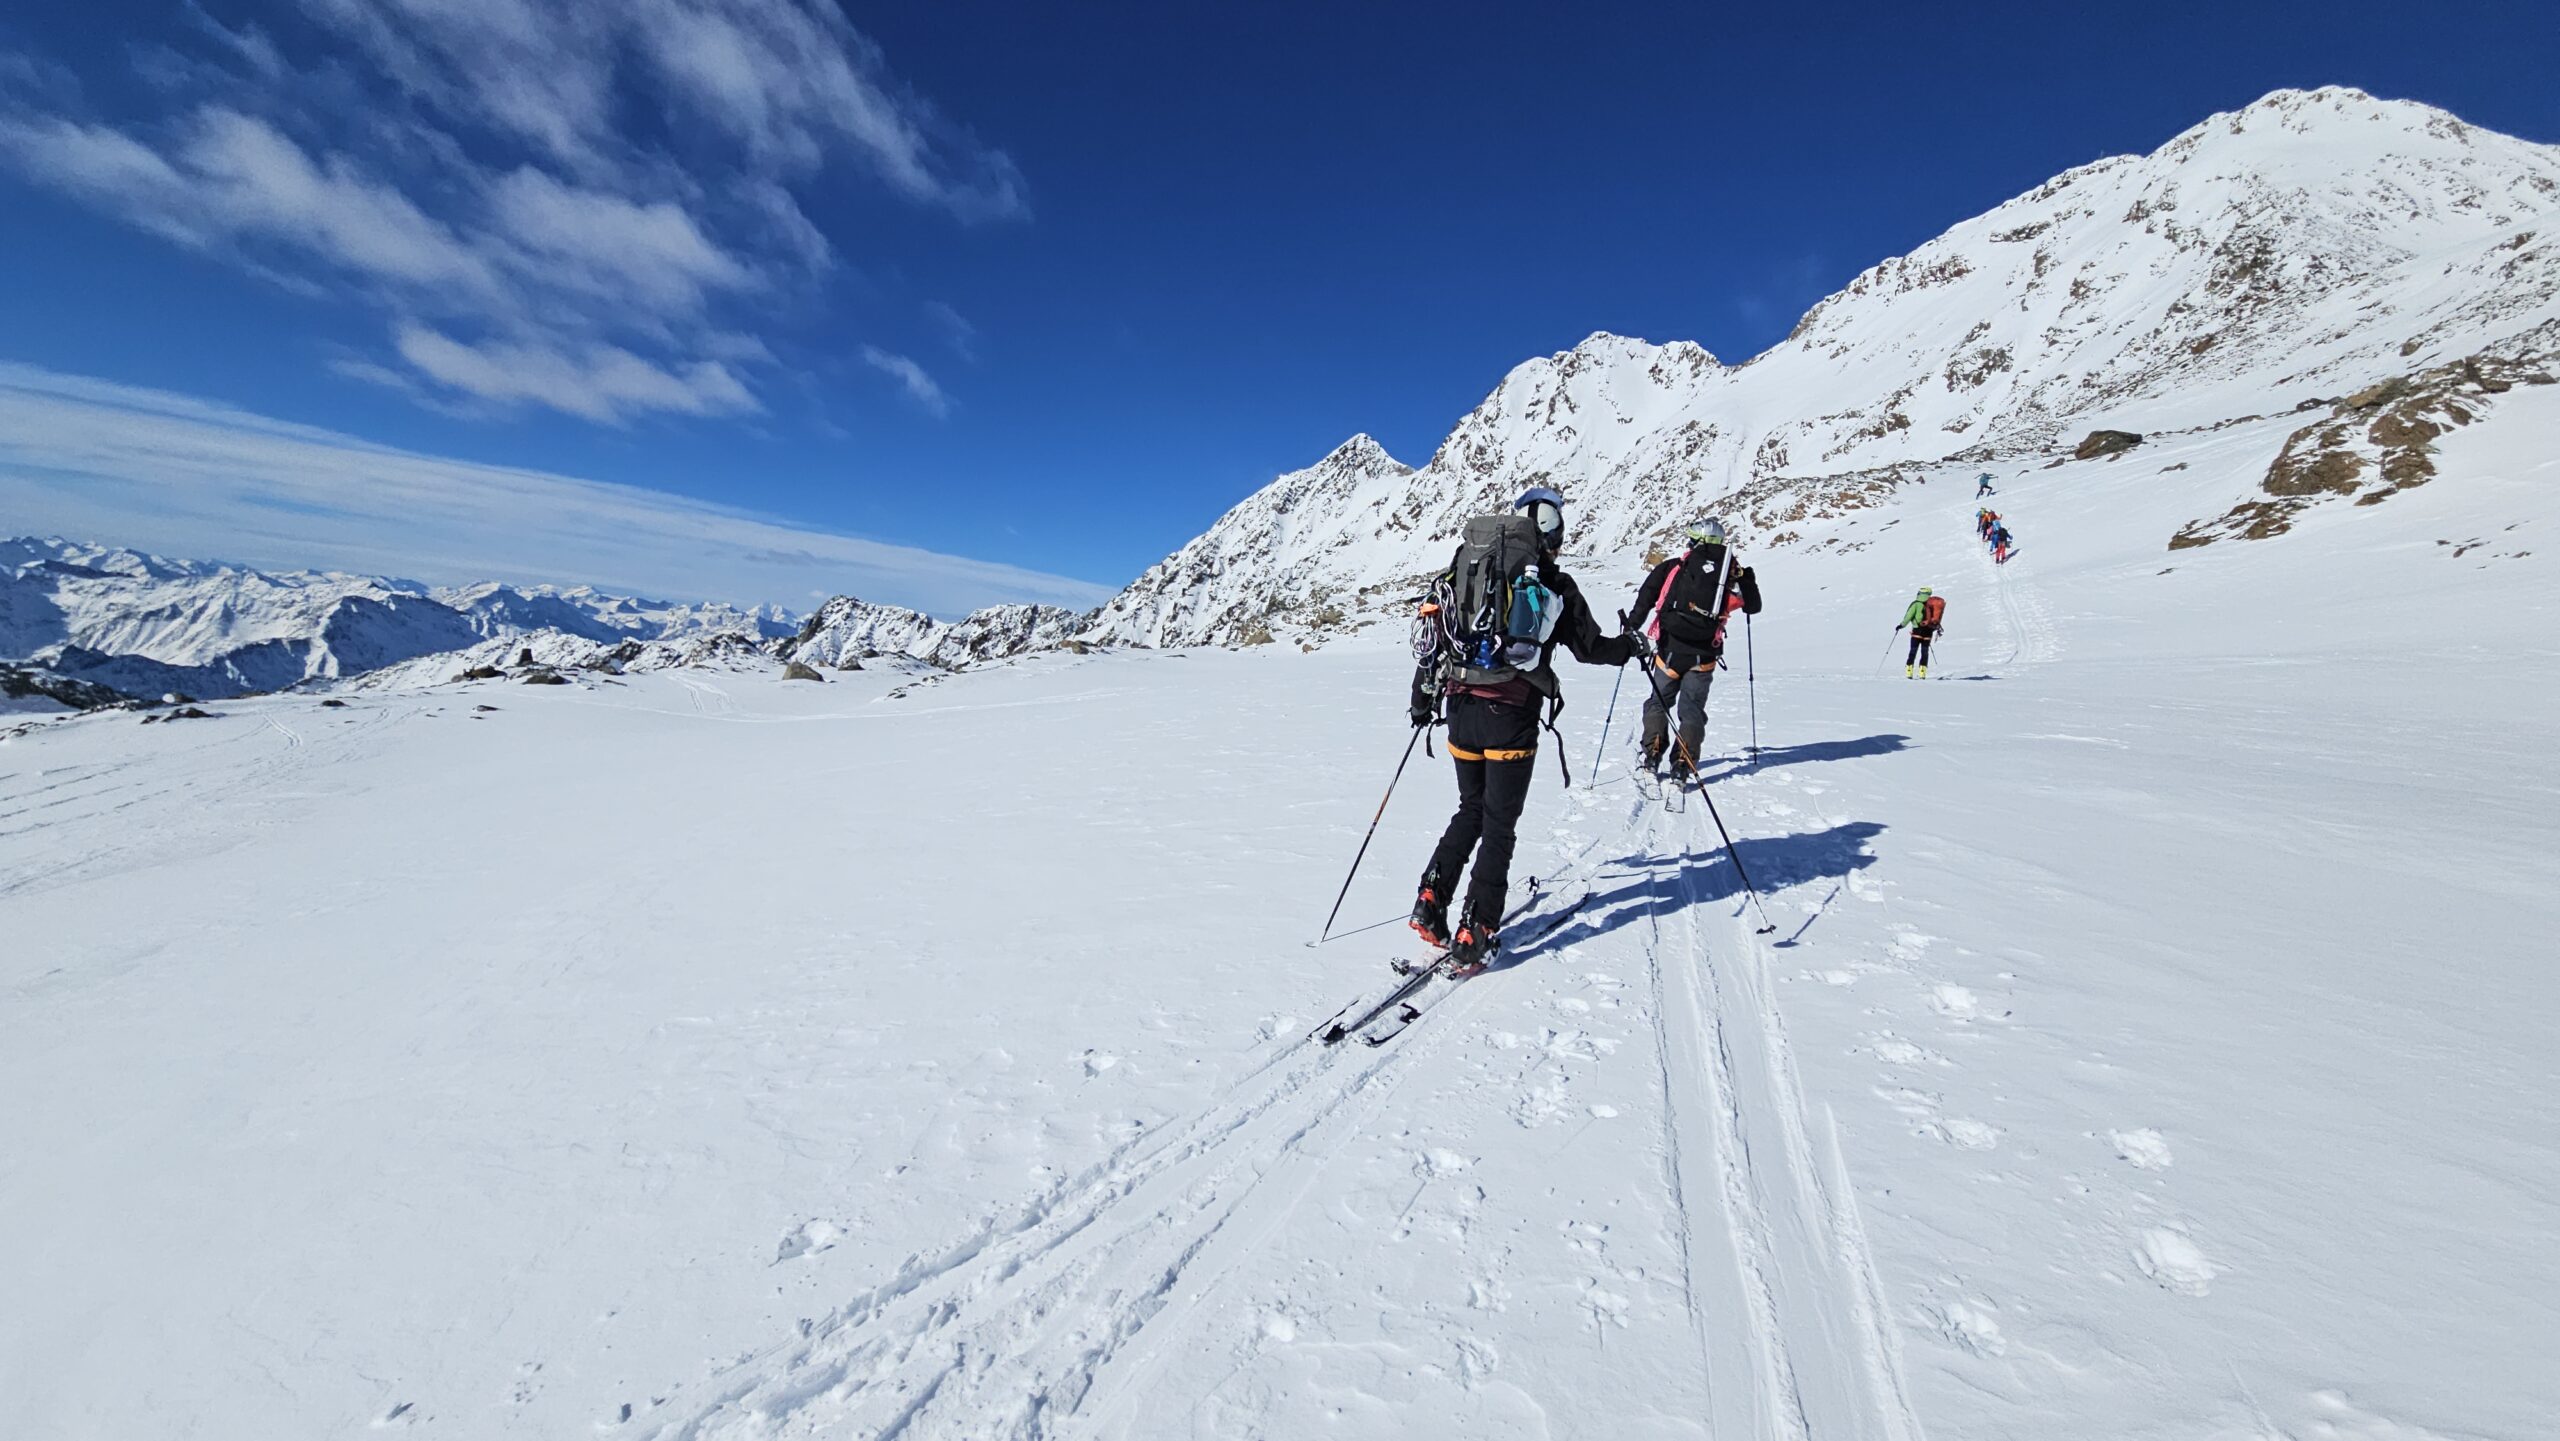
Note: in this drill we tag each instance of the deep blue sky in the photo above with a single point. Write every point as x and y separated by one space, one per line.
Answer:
1193 245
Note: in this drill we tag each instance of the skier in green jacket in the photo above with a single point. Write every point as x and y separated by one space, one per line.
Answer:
1924 618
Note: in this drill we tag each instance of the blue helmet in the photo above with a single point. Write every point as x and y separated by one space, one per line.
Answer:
1546 512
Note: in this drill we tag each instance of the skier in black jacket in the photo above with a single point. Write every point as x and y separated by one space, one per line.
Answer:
1689 597
1493 738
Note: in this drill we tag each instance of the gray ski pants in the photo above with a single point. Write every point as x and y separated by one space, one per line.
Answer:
1692 687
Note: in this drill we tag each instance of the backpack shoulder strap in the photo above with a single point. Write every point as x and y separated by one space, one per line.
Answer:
1662 601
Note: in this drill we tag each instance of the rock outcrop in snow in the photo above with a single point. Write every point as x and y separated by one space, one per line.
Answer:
2306 246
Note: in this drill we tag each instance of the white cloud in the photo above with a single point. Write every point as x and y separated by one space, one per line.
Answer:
233 179
601 382
468 169
911 377
791 82
94 459
956 330
612 247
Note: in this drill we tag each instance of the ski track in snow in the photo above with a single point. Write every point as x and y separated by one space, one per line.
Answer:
231 761
1036 1325
2033 638
1822 1363
1059 1318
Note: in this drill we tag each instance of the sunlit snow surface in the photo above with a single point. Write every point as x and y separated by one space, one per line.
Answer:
2155 1042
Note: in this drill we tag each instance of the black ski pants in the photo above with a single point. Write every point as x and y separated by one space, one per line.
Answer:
1919 648
1495 746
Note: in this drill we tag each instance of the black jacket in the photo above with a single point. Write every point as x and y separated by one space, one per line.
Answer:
1577 630
1690 639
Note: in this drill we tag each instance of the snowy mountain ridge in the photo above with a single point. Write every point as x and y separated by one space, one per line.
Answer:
2311 244
144 624
847 629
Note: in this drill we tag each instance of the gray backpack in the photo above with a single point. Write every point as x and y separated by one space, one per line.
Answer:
1497 616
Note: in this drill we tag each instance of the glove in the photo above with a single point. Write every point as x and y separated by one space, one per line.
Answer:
1422 712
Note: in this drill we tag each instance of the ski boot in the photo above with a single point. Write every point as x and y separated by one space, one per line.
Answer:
1677 769
1430 918
1473 949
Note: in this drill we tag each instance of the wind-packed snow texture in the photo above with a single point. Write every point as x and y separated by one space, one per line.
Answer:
2153 1043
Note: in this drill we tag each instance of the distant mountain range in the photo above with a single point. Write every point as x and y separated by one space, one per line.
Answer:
2380 266
146 624
93 622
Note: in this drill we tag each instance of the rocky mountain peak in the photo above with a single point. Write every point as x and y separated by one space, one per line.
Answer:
2307 244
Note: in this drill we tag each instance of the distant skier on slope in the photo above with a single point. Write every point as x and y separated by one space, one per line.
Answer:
1688 598
1982 486
1924 618
2000 543
1493 623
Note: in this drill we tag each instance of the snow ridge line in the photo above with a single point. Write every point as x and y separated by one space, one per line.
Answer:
968 1343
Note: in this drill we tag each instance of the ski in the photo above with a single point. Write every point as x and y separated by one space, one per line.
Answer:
1400 1012
1648 782
1416 976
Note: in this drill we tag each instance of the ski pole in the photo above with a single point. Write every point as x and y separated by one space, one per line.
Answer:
1604 725
1767 926
1887 658
1751 680
1372 835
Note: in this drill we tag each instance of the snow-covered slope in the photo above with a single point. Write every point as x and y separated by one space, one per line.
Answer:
2154 1043
145 624
2303 248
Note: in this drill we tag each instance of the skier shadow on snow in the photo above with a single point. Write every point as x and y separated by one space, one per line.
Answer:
1815 751
1657 884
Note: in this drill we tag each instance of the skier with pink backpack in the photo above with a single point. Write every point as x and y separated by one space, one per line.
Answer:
1689 598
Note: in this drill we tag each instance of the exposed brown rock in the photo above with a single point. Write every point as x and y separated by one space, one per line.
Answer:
2106 442
2379 393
